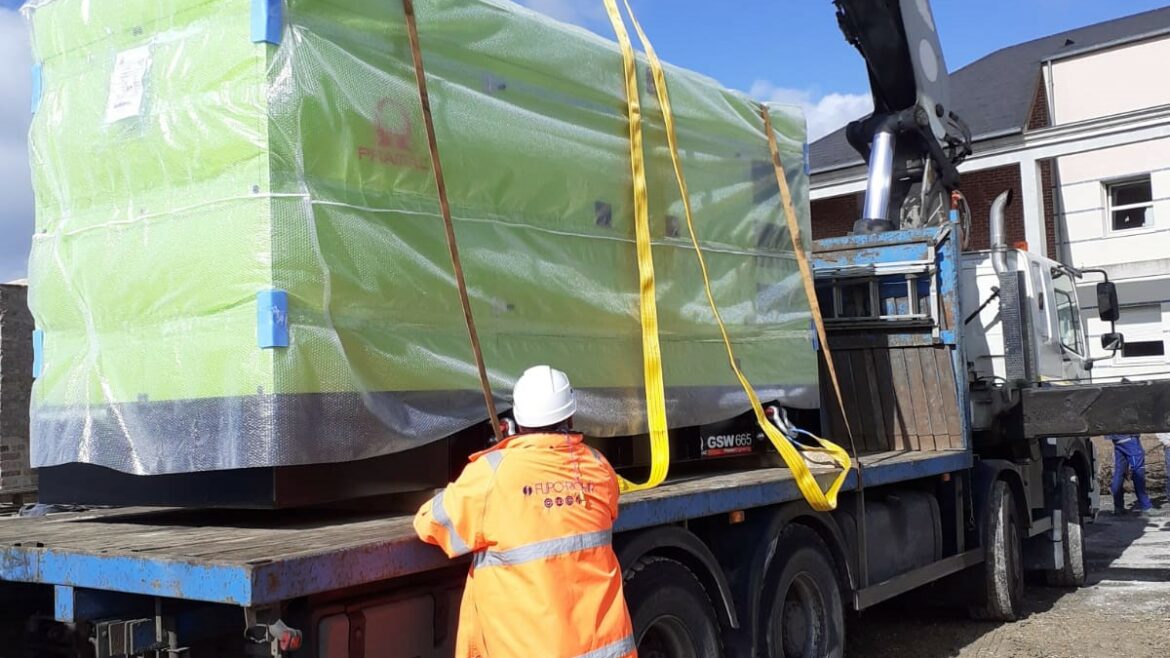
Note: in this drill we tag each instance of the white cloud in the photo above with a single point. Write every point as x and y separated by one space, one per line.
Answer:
16 198
580 12
825 112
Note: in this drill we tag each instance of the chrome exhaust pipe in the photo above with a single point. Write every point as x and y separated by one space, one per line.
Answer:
999 245
881 177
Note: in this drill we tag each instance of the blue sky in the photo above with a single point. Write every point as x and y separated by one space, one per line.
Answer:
797 43
787 50
792 50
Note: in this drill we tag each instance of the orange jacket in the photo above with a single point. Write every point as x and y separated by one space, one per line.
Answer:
537 511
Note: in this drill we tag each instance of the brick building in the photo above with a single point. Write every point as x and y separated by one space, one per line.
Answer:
1073 124
16 353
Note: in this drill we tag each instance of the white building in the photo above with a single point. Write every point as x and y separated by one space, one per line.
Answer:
1078 124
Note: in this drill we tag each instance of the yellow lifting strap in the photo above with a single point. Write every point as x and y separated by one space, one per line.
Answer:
818 499
648 302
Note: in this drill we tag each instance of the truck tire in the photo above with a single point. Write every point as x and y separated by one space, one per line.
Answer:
1072 533
1003 567
671 612
806 616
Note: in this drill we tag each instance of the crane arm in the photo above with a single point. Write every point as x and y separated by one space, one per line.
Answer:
913 141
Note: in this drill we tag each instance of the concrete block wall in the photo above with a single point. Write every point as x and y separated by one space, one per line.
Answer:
16 358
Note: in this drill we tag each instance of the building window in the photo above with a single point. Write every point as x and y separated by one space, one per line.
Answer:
1144 349
1143 331
1131 204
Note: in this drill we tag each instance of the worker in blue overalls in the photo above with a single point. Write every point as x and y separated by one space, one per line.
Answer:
1128 455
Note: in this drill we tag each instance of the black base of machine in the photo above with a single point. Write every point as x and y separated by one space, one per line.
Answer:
427 467
423 468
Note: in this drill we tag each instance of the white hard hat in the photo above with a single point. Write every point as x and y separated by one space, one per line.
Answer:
543 396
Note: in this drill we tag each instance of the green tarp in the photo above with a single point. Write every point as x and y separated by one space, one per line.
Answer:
182 169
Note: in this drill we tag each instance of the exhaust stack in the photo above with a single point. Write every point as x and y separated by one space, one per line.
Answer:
999 245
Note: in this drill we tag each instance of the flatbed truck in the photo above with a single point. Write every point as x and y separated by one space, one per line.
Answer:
965 399
735 560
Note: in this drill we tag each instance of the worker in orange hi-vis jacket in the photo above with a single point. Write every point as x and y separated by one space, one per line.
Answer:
537 513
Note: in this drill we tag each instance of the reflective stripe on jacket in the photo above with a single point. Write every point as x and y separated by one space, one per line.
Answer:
537 511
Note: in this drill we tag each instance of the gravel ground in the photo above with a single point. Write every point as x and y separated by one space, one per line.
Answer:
1123 612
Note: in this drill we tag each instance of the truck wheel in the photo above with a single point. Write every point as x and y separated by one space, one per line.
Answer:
1003 567
1072 532
671 612
806 617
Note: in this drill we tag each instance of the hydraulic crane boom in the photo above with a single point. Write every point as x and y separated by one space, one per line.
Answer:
912 142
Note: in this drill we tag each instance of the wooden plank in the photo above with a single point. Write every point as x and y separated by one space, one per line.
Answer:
895 429
862 412
918 399
836 427
838 432
878 420
196 539
849 390
954 411
98 536
291 547
904 398
935 399
948 405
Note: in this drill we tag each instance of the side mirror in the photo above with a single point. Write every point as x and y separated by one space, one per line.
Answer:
1113 342
1107 304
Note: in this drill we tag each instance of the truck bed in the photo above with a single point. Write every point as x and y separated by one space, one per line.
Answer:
255 558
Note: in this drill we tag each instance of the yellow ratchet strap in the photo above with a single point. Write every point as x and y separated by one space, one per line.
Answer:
806 274
818 499
424 99
648 301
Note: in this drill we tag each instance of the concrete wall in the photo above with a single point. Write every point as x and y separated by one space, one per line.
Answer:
1136 327
1137 259
1109 82
1089 238
16 326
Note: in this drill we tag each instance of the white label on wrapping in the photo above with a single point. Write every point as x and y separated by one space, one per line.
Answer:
127 84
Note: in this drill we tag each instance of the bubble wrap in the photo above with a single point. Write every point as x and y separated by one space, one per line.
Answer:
181 169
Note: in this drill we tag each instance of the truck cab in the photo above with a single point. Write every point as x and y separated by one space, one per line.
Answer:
1058 348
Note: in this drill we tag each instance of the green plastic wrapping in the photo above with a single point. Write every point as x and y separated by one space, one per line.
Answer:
184 171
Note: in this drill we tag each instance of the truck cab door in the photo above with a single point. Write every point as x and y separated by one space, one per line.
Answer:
1049 357
1070 330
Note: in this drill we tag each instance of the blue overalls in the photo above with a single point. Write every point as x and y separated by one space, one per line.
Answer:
1128 455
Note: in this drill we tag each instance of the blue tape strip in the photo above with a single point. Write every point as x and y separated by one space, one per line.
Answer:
807 161
38 337
267 21
38 85
272 319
